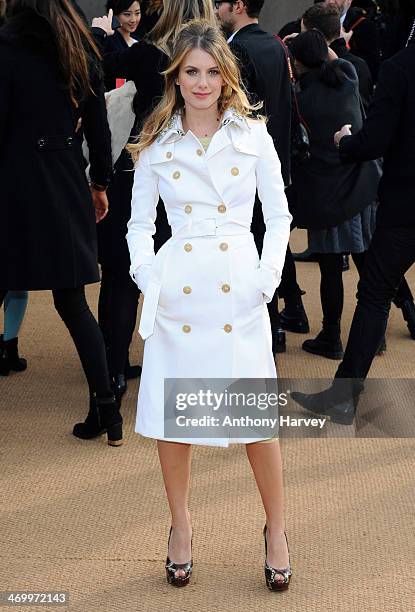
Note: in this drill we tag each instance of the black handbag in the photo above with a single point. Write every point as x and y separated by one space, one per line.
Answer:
300 140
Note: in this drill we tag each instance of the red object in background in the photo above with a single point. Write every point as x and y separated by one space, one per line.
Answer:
119 83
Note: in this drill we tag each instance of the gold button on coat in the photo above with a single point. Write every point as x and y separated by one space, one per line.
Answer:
188 209
187 290
169 154
223 246
187 329
188 247
235 171
226 288
176 175
228 328
222 208
199 152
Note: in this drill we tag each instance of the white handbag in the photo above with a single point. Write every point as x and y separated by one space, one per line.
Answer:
121 119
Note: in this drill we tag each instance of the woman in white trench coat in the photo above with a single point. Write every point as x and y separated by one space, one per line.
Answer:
204 313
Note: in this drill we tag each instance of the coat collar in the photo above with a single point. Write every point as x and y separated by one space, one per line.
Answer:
174 130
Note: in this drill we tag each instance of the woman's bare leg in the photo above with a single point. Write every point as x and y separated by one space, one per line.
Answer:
175 460
266 463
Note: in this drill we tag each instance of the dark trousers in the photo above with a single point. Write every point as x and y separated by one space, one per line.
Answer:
73 309
390 255
117 315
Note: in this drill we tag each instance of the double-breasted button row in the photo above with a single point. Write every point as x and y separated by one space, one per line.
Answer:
199 152
226 328
188 209
224 246
187 290
188 247
222 208
235 171
176 175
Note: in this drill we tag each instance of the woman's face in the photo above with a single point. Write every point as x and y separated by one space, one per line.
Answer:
200 80
130 18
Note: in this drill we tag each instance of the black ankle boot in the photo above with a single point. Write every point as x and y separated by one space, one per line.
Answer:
4 361
10 359
408 311
327 344
294 319
103 416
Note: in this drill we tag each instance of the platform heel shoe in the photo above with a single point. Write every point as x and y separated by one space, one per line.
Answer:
103 417
172 568
271 572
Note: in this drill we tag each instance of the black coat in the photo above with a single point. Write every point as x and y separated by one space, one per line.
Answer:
325 193
265 76
47 218
389 131
365 78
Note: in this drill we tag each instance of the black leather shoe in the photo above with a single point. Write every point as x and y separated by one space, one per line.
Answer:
408 311
103 416
119 386
330 404
305 257
325 346
294 319
278 342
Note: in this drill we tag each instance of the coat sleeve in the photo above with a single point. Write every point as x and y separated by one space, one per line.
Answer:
276 214
141 226
97 134
380 127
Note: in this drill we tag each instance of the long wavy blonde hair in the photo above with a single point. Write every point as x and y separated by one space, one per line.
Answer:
195 35
174 14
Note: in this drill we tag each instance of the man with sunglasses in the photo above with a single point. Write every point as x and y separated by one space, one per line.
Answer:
265 75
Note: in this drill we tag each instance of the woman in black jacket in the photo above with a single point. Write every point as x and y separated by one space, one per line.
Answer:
334 202
49 80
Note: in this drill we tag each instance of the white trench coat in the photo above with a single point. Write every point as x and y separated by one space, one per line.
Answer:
205 292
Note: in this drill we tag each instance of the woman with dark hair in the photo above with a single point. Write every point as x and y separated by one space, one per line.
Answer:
334 202
47 211
128 15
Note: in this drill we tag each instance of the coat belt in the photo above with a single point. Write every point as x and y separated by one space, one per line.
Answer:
192 229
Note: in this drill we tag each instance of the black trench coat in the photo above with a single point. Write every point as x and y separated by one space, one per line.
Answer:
47 220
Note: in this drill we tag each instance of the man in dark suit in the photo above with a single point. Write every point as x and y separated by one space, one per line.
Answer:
265 75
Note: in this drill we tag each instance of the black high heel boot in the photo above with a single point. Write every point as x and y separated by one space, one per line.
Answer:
272 572
172 568
103 416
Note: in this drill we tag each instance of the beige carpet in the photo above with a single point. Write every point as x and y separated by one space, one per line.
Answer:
92 520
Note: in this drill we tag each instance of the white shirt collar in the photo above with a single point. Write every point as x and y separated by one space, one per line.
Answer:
174 129
232 36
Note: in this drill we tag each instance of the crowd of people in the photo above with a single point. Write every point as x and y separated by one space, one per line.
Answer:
238 137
